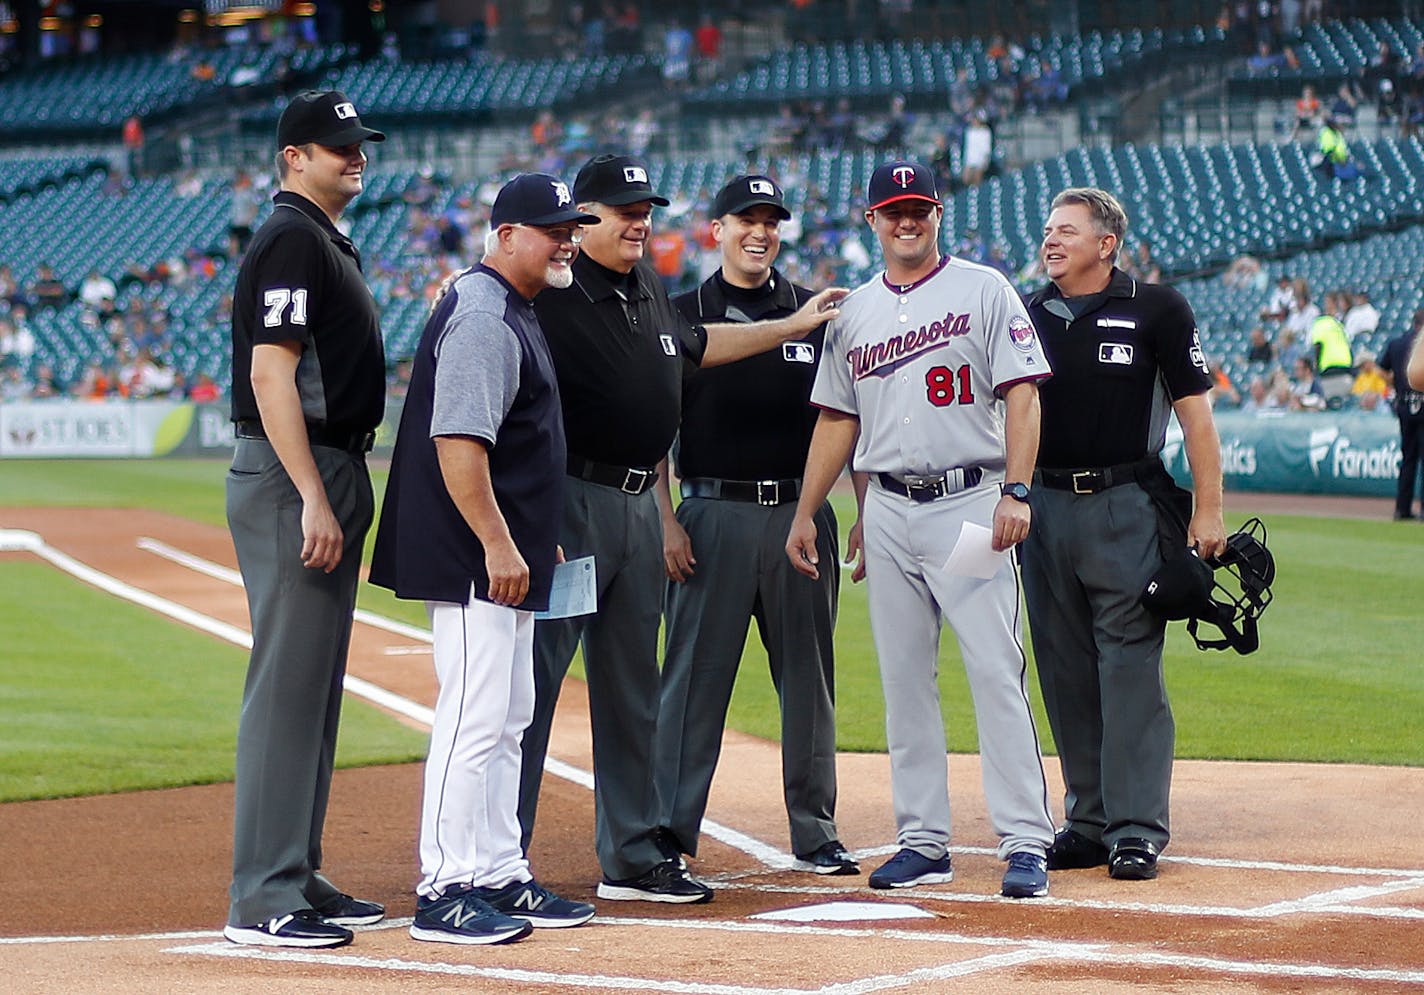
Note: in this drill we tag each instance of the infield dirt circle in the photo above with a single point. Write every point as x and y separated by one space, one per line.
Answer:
1280 878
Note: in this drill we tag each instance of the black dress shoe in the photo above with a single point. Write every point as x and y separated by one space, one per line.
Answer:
1072 850
1133 859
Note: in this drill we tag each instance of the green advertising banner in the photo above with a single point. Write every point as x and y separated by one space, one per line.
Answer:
1354 453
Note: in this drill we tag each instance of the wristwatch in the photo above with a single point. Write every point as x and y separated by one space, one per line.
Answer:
1018 491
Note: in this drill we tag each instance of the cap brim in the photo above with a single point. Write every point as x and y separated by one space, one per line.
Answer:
746 205
566 216
904 196
350 136
631 197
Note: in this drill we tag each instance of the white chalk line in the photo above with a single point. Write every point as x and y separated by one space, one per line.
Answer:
1329 901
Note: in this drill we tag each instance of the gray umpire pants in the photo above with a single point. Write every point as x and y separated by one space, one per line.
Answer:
1099 658
291 702
623 533
742 572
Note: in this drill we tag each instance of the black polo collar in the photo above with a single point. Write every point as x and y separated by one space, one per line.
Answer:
1051 299
288 198
712 294
599 283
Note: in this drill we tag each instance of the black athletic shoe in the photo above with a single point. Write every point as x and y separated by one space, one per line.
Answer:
668 846
1071 850
302 928
828 858
666 882
531 901
461 916
1133 859
343 910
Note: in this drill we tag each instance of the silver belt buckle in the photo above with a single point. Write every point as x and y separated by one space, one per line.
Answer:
1088 475
771 488
629 487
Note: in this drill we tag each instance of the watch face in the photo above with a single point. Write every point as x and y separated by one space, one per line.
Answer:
1019 492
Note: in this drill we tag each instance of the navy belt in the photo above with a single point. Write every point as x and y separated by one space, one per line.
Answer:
768 493
926 489
1091 480
355 443
629 480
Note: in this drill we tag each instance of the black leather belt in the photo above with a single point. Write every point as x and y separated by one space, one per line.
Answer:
926 489
768 493
1091 480
317 435
629 480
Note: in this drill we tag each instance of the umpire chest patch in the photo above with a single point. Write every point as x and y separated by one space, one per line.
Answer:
669 346
798 352
1115 353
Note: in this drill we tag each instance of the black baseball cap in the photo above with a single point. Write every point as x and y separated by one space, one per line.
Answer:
901 180
615 180
537 199
324 117
749 191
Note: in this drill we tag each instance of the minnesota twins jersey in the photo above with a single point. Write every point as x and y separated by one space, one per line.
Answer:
925 367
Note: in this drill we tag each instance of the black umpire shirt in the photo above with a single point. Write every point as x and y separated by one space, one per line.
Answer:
1120 358
620 349
301 281
752 419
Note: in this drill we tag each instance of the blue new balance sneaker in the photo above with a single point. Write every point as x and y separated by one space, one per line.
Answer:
1026 876
909 868
461 916
537 905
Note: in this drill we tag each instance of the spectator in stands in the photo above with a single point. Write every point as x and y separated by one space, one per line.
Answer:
978 149
1140 263
17 342
242 217
1381 79
1343 108
1368 376
642 132
677 55
47 290
1261 350
133 145
1244 271
1330 352
708 40
13 385
1372 403
1362 317
1279 304
1307 393
9 289
1265 62
1307 111
1259 398
1303 311
96 384
204 390
1332 156
1222 393
46 384
1045 89
96 290
545 132
1290 18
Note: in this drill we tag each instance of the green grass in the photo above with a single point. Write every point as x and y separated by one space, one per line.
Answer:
126 700
1332 682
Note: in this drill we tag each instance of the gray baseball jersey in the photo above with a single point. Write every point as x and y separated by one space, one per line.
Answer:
925 367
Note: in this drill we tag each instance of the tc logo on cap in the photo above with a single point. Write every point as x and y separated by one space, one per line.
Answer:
561 191
904 176
635 174
345 110
762 187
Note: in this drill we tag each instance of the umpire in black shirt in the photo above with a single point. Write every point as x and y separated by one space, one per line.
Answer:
620 350
308 392
745 431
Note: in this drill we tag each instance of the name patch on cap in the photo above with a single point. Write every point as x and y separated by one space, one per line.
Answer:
635 174
1115 353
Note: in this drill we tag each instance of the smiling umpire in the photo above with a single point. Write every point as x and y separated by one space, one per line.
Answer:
744 435
1126 356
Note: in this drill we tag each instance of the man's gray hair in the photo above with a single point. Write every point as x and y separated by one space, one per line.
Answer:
1105 209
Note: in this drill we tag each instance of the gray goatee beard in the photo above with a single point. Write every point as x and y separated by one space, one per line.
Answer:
559 277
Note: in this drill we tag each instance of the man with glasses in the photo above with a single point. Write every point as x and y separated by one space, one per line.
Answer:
931 377
308 390
620 350
469 527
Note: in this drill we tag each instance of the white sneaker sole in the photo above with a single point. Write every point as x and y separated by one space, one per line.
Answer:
547 923
253 937
481 939
354 920
1039 893
618 893
839 869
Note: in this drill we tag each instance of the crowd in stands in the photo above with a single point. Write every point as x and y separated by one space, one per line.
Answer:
1302 356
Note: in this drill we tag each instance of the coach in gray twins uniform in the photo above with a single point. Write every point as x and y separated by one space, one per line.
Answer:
744 433
933 367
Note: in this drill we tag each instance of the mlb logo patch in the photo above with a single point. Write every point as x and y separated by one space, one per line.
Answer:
1115 353
345 110
762 187
635 174
798 352
669 346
